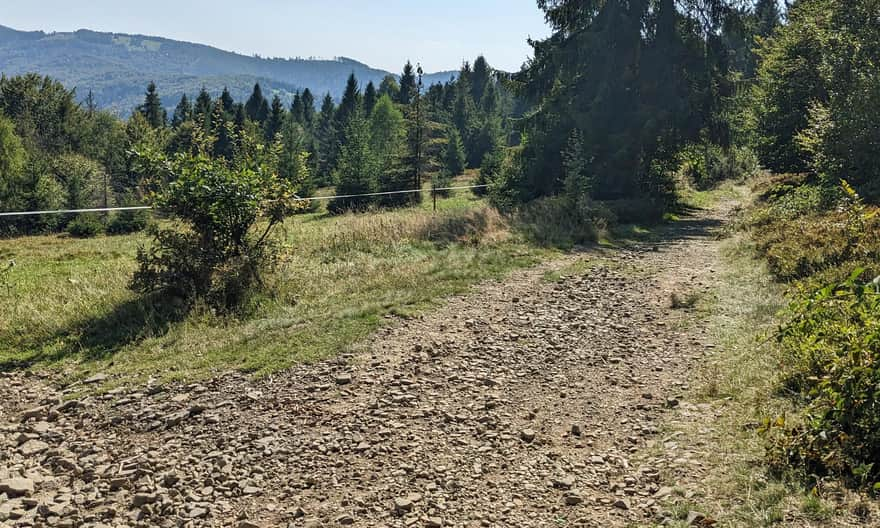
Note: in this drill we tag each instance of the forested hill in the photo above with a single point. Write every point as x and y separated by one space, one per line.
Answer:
116 67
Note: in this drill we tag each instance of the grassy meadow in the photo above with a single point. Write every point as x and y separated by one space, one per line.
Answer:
65 306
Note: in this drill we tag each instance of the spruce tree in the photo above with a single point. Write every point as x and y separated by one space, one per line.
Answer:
224 144
297 111
407 84
182 113
388 142
370 98
480 79
257 107
275 121
350 104
453 154
326 140
152 108
227 102
203 109
768 17
308 102
357 170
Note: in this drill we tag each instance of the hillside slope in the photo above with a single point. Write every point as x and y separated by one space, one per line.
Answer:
117 67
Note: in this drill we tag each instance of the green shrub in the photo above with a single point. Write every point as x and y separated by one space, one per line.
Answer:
127 222
222 240
833 341
85 225
706 165
551 222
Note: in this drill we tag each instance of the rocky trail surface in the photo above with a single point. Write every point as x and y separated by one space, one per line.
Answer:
529 402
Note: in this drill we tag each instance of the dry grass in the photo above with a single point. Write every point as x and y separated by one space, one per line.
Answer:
67 306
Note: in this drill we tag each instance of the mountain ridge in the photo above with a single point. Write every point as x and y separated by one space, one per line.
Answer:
116 67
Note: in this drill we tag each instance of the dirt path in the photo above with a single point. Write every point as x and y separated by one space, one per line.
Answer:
526 403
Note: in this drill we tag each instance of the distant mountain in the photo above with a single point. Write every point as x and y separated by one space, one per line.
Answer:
116 68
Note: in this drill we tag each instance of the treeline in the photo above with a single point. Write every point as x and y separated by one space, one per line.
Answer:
624 96
394 137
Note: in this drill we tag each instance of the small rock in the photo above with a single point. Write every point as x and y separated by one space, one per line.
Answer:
17 487
621 505
140 499
402 506
343 379
345 520
672 403
247 524
97 378
32 447
434 522
565 483
576 430
33 413
527 435
573 498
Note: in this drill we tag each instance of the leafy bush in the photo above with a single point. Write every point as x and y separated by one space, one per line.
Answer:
86 225
127 222
222 241
706 165
833 340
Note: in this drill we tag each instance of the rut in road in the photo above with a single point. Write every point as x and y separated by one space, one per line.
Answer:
528 402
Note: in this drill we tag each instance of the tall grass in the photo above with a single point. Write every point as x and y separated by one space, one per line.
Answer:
66 304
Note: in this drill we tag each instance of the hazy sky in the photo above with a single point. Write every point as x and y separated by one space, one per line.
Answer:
383 33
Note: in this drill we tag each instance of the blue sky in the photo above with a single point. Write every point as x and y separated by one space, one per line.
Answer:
383 33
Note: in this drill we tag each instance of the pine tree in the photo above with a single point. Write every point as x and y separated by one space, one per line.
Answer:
407 85
152 108
257 107
276 119
308 102
370 98
182 113
357 171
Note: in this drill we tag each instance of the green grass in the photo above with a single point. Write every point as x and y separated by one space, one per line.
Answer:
66 306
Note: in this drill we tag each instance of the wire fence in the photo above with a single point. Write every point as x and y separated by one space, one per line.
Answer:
296 199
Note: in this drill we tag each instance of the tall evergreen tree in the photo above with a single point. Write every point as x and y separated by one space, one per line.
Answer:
480 79
276 119
227 102
152 108
350 104
224 144
203 108
408 86
297 110
453 154
357 171
417 140
768 17
257 107
308 102
182 113
326 140
370 98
